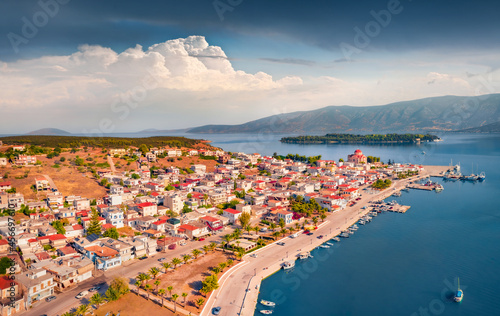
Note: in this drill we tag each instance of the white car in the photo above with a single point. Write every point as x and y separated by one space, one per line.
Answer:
82 294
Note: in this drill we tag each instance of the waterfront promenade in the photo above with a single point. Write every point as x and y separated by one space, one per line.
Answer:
239 286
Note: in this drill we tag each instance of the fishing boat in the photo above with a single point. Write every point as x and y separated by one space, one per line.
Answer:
286 266
324 246
266 312
304 255
361 222
329 244
397 194
459 294
267 303
345 235
439 188
481 176
337 239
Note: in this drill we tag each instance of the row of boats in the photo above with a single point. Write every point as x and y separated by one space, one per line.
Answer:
456 174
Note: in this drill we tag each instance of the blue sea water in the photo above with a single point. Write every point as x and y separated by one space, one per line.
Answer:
402 264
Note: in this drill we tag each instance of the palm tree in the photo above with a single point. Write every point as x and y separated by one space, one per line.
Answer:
216 270
248 228
161 292
222 266
138 283
169 289
174 298
276 234
176 261
206 248
281 223
200 302
223 245
143 277
227 238
315 220
212 246
256 230
196 253
154 272
297 226
82 309
97 299
239 254
184 295
157 283
148 287
166 266
68 314
186 258
272 226
229 262
237 233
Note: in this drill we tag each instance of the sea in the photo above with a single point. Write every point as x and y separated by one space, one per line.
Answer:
401 264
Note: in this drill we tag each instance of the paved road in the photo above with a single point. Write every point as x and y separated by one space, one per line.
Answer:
238 291
65 301
51 182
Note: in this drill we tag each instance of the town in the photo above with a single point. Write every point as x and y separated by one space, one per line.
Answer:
152 218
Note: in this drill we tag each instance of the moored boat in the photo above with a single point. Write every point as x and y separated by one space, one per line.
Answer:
336 239
286 266
267 303
324 246
266 312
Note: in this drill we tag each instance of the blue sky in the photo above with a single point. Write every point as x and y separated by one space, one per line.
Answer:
80 58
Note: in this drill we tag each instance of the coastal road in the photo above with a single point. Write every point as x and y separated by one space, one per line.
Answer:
129 270
238 291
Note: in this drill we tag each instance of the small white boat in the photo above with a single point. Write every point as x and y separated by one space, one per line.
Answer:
324 246
266 312
267 303
329 244
345 235
336 239
304 255
286 266
459 294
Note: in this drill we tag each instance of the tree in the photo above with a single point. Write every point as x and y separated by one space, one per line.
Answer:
206 249
184 295
154 272
196 253
210 283
148 288
166 266
244 219
272 226
169 289
276 234
117 288
94 224
59 227
143 277
229 262
111 233
82 309
216 270
174 299
135 176
323 216
96 300
222 266
200 302
186 258
176 261
212 246
157 283
282 223
161 292
144 149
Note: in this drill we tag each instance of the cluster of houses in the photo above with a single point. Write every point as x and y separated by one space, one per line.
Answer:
162 217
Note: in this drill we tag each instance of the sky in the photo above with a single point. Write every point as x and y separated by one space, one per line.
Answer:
110 66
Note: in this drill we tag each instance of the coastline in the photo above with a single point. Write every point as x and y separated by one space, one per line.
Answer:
240 296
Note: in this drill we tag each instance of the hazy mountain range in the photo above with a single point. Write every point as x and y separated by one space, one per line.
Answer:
446 113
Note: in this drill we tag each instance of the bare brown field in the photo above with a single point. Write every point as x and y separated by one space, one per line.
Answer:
131 305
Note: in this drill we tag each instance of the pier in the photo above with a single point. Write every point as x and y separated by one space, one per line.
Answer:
421 187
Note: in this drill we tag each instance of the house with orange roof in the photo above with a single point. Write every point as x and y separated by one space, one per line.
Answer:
104 258
193 230
232 214
11 297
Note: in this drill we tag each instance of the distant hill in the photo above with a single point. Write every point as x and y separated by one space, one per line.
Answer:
489 128
446 113
49 132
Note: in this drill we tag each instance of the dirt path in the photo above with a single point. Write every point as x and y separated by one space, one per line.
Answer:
111 164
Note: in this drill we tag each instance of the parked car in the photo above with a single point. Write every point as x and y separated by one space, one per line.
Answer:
95 288
171 247
309 234
142 258
50 298
201 239
216 310
280 243
82 294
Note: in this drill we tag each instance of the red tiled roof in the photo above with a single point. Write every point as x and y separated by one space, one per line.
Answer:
3 242
77 227
5 282
42 256
232 211
67 250
4 184
57 237
107 226
185 227
163 221
102 251
145 204
210 218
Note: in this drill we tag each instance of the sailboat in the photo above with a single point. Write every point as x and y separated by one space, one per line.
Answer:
459 294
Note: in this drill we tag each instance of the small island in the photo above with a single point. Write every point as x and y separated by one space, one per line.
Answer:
360 139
